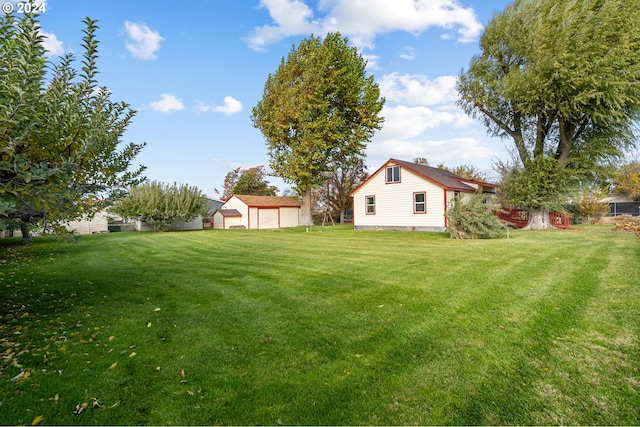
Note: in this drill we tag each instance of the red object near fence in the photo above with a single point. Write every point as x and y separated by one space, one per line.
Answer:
520 218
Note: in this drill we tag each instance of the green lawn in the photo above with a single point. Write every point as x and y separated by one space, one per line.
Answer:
331 326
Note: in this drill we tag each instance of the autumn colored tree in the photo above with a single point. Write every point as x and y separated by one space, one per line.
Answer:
334 194
626 180
561 80
589 204
250 181
467 171
317 113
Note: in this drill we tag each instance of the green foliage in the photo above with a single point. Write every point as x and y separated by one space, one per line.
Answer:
626 180
159 204
60 134
539 185
562 81
317 112
472 218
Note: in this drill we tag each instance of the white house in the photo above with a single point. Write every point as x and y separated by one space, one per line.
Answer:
407 196
258 212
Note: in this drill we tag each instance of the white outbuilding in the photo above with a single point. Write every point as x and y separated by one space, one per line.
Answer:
258 212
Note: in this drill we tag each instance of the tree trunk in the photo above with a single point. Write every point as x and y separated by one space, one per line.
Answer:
305 209
538 219
342 219
24 229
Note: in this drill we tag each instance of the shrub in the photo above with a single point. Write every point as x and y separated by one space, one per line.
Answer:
473 218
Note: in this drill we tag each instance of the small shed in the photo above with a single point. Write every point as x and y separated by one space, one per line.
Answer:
258 212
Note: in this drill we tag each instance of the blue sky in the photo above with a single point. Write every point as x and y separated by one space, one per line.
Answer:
194 69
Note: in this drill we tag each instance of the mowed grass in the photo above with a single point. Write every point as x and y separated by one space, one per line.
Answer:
327 327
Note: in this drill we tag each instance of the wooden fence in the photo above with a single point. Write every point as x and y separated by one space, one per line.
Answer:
519 218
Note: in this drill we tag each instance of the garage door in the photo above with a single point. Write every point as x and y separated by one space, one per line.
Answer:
268 218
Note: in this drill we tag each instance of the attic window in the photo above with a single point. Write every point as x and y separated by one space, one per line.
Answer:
393 174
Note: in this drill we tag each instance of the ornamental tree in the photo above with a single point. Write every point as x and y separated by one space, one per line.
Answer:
561 80
317 113
61 154
159 204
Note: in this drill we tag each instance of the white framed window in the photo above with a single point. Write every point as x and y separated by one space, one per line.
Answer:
420 203
370 205
392 174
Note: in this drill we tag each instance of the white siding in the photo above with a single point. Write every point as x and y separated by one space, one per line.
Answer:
240 206
180 225
394 203
217 220
99 224
289 217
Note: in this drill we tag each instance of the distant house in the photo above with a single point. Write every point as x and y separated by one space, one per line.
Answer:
402 195
258 212
620 205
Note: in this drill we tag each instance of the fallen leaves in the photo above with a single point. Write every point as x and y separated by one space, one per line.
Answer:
37 420
95 404
80 407
21 376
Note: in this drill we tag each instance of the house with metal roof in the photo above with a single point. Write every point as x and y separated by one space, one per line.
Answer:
402 195
258 212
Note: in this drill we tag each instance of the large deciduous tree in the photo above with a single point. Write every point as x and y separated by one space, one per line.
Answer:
562 81
317 113
61 155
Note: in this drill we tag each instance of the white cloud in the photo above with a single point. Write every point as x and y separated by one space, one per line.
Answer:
167 103
415 89
408 53
454 150
52 44
402 122
230 107
144 42
363 20
291 17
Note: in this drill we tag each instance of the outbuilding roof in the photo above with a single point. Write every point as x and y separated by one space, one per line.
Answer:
229 212
269 201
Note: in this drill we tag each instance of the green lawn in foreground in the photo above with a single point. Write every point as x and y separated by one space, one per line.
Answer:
332 326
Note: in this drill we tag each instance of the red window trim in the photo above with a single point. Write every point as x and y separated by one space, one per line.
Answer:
425 202
399 174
